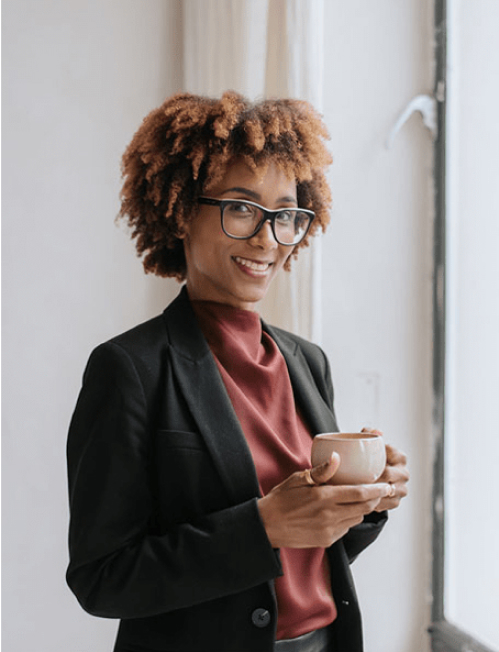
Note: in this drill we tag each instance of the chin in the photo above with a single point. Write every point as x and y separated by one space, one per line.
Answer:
249 300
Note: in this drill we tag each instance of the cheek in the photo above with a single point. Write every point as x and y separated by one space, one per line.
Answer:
208 249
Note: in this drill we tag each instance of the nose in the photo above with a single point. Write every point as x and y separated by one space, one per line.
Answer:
265 237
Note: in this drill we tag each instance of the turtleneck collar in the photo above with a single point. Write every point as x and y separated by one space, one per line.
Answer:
228 328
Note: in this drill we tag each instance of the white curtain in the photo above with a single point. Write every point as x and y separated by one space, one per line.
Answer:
264 48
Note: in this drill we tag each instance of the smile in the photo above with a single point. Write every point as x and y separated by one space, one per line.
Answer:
253 265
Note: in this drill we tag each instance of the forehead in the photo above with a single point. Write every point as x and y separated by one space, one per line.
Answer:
263 179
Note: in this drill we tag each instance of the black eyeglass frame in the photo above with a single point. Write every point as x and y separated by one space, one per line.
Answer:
268 214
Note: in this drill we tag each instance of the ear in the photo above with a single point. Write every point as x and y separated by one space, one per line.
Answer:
183 231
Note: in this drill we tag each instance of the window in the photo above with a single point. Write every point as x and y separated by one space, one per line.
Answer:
466 330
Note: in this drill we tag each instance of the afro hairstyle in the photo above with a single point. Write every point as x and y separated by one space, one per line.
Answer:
185 146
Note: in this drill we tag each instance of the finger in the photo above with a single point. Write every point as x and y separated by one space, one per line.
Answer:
388 504
394 456
317 475
395 474
399 474
393 491
324 472
348 494
354 513
399 491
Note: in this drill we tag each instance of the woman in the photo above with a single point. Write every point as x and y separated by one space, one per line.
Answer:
195 517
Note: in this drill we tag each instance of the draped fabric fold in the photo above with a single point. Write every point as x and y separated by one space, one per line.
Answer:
264 48
224 46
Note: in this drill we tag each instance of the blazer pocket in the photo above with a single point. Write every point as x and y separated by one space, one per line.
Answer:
187 480
179 439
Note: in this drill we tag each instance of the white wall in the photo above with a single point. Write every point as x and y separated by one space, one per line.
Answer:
78 78
377 285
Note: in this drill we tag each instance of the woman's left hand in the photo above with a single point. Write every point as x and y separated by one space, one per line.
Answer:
396 474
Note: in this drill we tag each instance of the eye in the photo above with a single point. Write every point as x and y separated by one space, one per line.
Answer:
239 209
286 217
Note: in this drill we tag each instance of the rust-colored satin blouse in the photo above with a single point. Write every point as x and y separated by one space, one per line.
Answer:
257 381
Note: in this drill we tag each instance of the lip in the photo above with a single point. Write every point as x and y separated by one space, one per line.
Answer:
252 267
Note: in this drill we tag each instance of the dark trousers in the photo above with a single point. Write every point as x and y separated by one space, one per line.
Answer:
317 641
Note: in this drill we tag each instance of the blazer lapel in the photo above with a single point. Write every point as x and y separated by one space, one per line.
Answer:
208 401
317 413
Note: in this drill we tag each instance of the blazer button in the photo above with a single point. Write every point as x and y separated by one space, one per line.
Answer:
260 617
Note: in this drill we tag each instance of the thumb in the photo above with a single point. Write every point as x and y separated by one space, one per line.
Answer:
323 473
373 431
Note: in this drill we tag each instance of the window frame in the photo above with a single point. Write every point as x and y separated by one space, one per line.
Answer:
445 637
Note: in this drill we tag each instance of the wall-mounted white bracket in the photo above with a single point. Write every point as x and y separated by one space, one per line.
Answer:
424 104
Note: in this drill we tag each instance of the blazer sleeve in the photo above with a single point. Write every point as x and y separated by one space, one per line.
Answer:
117 568
361 536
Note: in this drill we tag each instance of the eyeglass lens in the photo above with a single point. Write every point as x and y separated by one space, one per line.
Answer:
241 220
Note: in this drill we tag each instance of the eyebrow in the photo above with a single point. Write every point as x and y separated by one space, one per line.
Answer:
255 195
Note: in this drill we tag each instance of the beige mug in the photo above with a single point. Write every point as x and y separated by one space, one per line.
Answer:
362 455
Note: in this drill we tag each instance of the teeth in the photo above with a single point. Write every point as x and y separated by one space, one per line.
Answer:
257 267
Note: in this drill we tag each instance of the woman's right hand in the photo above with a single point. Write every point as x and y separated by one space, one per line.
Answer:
298 514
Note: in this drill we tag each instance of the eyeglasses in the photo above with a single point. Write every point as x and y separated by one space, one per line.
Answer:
242 219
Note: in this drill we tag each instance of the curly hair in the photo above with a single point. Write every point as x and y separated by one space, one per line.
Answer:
184 146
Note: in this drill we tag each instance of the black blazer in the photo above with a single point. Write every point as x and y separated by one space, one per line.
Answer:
165 532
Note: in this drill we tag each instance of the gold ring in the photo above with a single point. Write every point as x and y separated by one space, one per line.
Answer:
308 477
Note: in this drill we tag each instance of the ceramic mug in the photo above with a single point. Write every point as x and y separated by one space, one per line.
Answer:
362 455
